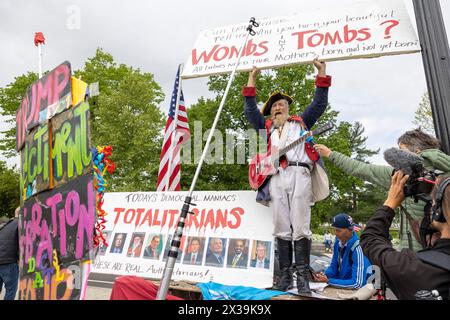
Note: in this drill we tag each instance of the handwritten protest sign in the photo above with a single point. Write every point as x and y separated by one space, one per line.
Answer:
35 168
364 30
57 215
224 225
71 151
71 154
56 232
46 97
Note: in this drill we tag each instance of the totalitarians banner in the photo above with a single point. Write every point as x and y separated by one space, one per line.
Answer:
228 238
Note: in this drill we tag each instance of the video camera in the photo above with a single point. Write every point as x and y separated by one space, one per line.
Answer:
421 181
420 184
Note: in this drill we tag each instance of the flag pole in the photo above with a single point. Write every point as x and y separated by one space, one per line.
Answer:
178 233
40 59
39 40
174 132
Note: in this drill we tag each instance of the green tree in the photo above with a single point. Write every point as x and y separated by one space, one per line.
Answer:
369 199
424 115
125 115
340 183
296 81
9 190
358 146
10 99
365 197
350 194
359 152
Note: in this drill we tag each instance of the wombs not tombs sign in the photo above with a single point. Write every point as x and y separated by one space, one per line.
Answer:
365 29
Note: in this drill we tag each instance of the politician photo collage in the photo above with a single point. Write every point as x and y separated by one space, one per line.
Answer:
200 251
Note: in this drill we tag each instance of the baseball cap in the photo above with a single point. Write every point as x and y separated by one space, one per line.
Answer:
342 221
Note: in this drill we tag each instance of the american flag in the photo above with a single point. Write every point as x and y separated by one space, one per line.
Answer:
176 132
356 227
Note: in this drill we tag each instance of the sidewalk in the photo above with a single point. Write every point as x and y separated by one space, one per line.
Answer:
97 293
92 293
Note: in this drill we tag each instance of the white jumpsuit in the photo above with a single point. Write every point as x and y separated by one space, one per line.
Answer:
291 189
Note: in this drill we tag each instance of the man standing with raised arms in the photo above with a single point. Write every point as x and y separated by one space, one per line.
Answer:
291 192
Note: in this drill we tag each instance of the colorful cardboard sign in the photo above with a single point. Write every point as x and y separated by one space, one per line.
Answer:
71 147
35 160
57 218
45 98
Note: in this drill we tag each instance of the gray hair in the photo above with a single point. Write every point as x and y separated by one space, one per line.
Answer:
416 140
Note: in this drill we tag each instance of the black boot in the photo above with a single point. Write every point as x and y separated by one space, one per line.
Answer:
285 260
302 249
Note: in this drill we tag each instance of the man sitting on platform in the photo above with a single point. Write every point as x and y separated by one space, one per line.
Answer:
349 267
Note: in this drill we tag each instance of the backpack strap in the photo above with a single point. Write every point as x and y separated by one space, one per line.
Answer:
6 223
435 258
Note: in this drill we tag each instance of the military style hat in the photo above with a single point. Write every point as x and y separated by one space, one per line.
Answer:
274 98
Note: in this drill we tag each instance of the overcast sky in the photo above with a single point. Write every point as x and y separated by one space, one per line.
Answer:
156 36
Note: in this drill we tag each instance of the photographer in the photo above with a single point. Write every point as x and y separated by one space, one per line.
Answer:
406 272
416 141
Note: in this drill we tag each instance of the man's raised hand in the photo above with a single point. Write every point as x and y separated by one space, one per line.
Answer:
252 75
321 67
396 195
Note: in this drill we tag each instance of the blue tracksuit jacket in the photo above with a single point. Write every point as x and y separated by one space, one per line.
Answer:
346 273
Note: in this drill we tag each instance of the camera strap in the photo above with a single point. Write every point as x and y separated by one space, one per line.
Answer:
427 234
415 227
421 228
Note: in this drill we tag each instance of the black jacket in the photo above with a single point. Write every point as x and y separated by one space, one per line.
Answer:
404 273
9 242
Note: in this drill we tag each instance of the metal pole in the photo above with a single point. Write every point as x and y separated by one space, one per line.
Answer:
175 245
436 61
